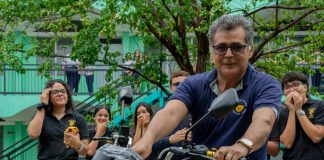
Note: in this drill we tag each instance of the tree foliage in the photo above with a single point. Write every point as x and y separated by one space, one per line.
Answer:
289 27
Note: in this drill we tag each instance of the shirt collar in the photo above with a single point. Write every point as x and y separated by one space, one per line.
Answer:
309 100
213 84
214 87
69 111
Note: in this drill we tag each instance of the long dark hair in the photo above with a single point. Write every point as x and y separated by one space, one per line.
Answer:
69 103
102 107
147 107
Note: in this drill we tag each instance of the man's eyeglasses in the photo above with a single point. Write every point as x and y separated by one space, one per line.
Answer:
175 84
293 85
222 49
56 92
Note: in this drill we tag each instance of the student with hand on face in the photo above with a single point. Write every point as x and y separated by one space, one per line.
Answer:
54 115
142 117
102 118
301 121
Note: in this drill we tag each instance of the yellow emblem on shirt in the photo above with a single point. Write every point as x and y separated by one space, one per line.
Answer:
239 108
311 111
72 123
72 128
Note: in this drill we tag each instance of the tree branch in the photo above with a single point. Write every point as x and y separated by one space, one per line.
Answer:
277 15
162 23
169 10
265 40
168 43
94 12
273 7
183 34
203 43
159 84
286 48
196 20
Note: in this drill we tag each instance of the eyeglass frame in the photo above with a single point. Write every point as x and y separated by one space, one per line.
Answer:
56 92
294 85
231 48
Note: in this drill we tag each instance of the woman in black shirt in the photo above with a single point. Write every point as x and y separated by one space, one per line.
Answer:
101 117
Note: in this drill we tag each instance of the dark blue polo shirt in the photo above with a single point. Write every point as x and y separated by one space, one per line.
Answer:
258 90
51 145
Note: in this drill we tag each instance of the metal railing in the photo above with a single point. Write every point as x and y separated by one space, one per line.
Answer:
32 82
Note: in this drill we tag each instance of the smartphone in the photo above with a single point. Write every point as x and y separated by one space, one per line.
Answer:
73 130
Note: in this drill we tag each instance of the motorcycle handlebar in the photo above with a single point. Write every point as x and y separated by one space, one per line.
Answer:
186 152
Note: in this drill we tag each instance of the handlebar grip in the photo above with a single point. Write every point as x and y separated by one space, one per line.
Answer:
102 138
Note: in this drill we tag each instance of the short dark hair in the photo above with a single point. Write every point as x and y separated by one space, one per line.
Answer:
147 107
102 107
229 23
69 103
178 74
293 76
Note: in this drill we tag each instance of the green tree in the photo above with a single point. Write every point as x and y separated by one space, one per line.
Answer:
289 27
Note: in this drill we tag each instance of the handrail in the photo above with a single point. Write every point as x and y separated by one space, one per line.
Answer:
80 109
13 145
18 148
25 149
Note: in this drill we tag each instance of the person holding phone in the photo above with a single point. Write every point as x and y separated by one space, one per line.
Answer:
54 119
101 117
301 122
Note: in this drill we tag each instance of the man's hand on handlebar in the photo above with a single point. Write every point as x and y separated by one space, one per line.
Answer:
234 152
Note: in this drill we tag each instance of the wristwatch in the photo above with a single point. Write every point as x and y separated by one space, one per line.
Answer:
42 105
246 143
81 147
300 113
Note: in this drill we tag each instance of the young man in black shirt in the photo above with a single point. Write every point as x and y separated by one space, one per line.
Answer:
301 121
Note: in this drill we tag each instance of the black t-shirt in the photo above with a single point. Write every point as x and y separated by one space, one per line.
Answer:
92 133
303 147
274 135
51 145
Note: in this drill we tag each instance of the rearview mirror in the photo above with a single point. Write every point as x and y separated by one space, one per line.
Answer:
224 104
